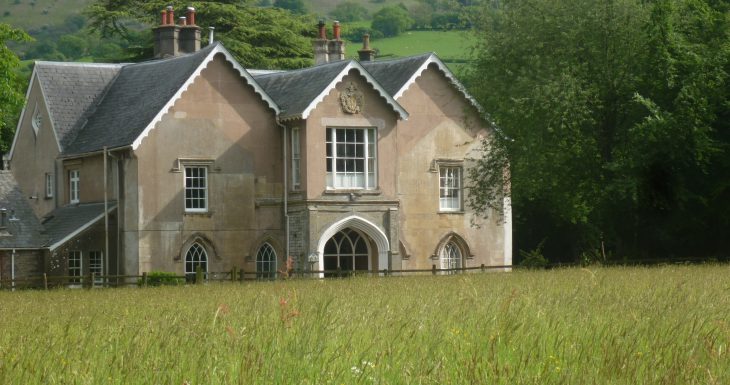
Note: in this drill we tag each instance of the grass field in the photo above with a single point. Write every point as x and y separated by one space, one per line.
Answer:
664 325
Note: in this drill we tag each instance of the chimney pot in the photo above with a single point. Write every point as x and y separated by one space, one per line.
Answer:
191 15
336 29
322 30
182 20
170 15
163 19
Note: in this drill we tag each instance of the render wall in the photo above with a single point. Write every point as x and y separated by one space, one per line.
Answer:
91 179
443 126
34 155
221 123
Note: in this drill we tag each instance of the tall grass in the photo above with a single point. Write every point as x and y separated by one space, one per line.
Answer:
668 325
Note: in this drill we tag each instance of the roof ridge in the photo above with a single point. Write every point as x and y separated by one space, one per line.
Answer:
77 64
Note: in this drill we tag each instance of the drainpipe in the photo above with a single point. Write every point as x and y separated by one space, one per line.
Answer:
12 269
286 189
106 218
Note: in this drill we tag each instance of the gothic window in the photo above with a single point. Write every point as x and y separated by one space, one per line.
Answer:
266 261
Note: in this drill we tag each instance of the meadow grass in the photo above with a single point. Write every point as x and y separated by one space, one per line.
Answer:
663 325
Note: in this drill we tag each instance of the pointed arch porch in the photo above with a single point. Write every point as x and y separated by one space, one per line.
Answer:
362 225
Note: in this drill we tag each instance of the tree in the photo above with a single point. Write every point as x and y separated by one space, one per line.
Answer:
392 20
266 38
73 46
614 117
11 96
349 11
295 6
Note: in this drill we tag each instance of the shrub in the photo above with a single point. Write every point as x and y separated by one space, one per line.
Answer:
162 278
534 259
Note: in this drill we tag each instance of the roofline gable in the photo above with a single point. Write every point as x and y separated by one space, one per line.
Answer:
368 77
33 77
219 48
433 59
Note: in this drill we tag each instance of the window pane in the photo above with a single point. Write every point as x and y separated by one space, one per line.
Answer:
348 161
450 188
196 188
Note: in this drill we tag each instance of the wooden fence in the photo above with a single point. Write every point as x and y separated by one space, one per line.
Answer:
46 281
236 275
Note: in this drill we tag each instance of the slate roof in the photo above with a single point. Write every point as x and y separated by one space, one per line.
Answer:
293 91
394 74
297 92
70 89
136 96
23 230
66 222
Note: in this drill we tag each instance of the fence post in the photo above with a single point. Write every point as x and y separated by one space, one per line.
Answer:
339 272
483 268
144 279
45 281
233 274
93 280
433 269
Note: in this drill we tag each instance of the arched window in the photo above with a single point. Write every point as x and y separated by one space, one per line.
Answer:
196 256
451 257
347 251
266 261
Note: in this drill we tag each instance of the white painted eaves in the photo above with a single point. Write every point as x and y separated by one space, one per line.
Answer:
369 78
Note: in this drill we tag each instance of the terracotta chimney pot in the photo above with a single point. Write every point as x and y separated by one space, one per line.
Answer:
336 30
170 15
191 15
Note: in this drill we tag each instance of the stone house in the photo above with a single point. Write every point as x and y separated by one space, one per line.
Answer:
192 160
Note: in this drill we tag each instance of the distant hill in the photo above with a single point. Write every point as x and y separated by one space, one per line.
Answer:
35 14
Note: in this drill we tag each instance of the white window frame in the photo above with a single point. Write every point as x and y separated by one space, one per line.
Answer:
74 271
296 159
451 188
339 154
74 183
96 265
266 268
196 249
49 185
204 189
452 257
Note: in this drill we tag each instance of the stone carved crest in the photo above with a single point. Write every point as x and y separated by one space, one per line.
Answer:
351 99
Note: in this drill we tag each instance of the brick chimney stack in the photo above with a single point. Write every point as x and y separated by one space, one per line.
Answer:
172 39
336 46
166 35
366 53
319 45
189 33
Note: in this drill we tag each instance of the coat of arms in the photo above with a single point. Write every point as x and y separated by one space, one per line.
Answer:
351 99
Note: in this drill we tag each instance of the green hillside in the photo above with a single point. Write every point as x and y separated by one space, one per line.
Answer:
39 14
